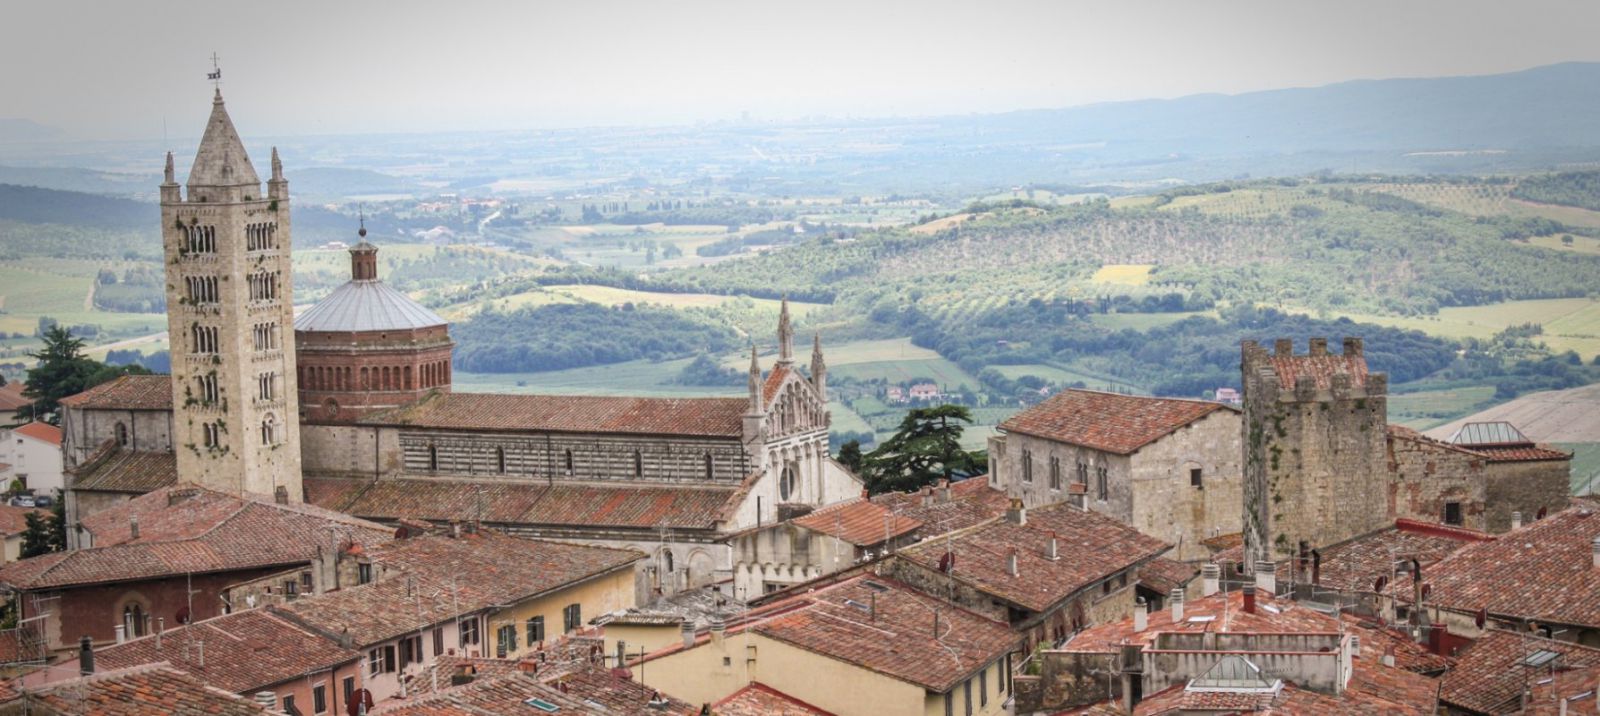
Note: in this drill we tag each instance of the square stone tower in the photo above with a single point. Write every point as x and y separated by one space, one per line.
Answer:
1315 466
236 421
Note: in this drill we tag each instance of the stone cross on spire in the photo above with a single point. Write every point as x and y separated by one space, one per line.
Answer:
785 335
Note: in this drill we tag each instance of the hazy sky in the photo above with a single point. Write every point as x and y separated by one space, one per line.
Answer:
117 69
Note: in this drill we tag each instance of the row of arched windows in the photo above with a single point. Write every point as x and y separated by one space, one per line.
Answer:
200 240
314 377
260 237
205 339
263 285
202 289
265 336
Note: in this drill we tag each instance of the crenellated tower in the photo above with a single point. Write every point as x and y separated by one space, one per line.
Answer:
1314 439
229 307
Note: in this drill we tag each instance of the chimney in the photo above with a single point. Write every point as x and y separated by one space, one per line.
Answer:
1249 599
622 655
280 495
161 626
266 700
688 633
1355 646
86 656
1516 520
122 633
1176 600
1388 656
1267 578
1011 562
1141 615
719 629
1017 514
133 528
944 490
1054 553
1597 566
1210 579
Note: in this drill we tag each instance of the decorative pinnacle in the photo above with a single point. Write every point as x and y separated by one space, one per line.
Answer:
277 166
755 381
171 174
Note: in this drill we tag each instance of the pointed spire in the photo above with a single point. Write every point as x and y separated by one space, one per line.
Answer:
170 175
785 335
277 166
819 369
218 149
755 382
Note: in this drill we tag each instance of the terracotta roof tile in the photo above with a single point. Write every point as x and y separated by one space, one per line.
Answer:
588 691
524 503
1110 422
897 639
702 417
1372 690
244 651
1320 368
1164 575
128 392
156 690
1290 618
116 470
187 530
11 397
1490 674
1090 547
1580 688
758 699
971 502
43 432
438 578
14 520
860 522
1520 453
1356 565
769 389
1543 571
1378 640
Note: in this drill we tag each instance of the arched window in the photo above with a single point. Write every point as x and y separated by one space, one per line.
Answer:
786 482
500 459
269 430
709 466
666 561
133 620
638 464
122 434
433 458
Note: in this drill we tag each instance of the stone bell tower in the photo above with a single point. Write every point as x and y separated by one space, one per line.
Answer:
229 311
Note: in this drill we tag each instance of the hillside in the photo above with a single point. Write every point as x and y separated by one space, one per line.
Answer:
35 205
1556 416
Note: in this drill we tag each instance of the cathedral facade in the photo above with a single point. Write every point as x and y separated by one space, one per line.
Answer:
356 412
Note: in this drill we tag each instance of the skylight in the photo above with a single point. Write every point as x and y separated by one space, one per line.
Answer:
1540 658
542 705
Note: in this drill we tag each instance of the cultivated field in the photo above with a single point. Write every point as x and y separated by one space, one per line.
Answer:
1123 274
1557 416
1569 323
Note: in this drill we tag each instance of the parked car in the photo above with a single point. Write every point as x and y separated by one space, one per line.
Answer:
44 501
23 501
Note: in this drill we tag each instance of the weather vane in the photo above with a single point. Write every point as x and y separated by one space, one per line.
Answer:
215 75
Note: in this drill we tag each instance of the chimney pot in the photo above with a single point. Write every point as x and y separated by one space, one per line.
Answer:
688 633
1176 600
266 699
1017 514
1516 520
1141 615
1597 566
1355 646
1267 578
1055 550
122 633
1210 579
1249 599
1011 562
85 656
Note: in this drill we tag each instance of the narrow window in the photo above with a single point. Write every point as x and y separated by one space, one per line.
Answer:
288 704
500 459
1452 513
568 463
319 699
638 464
983 687
363 572
709 466
1195 479
1100 482
1055 473
1027 466
122 434
966 688
349 688
535 631
433 458
438 641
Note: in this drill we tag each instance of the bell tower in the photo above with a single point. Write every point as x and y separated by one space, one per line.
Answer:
229 311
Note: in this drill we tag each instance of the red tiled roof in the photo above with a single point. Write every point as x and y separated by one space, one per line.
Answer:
859 522
128 392
43 432
588 691
525 503
1543 571
440 577
1378 640
1164 575
118 470
971 502
186 530
1320 368
11 397
155 690
769 389
1519 453
14 520
1490 674
758 699
1372 690
1580 688
702 417
890 631
1291 618
244 651
1110 422
1090 548
1356 565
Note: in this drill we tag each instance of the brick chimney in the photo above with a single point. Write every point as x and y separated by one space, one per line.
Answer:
1210 579
1141 615
1267 578
1249 599
1319 346
1011 562
1176 602
1017 514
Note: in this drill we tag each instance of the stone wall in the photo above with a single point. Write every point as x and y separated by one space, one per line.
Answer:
1426 475
1020 449
1166 504
1525 487
84 431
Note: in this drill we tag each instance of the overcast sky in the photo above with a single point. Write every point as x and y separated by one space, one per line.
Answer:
119 69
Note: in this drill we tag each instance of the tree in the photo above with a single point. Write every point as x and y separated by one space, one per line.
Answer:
44 534
850 456
64 370
925 448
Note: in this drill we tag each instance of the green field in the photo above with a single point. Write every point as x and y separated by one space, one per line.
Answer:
1488 200
59 289
1585 467
1123 274
1063 376
1429 408
1579 245
1569 323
